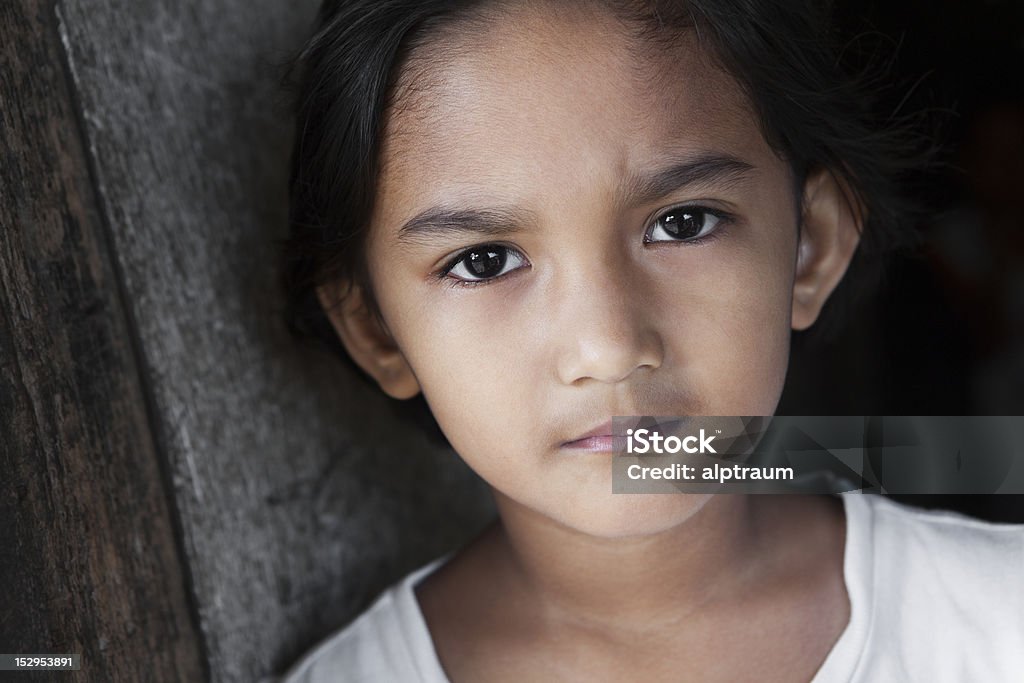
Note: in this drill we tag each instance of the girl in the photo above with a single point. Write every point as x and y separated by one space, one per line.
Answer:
542 214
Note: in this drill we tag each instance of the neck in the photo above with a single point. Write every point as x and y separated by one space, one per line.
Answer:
647 581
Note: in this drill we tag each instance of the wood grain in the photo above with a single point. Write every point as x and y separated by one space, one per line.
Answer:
301 492
88 561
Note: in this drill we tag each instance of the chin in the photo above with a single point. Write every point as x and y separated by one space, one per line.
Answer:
626 515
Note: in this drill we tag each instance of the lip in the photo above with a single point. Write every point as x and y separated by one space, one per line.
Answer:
597 439
600 437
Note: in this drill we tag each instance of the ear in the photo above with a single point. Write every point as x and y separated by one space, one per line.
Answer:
367 339
830 232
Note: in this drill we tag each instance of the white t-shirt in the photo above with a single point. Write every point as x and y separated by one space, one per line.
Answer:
934 597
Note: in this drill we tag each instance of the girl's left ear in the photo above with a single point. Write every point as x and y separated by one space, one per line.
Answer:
832 223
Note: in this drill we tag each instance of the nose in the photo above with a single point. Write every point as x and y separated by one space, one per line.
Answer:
605 330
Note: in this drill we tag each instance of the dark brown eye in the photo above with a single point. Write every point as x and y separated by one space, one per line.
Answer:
485 263
680 224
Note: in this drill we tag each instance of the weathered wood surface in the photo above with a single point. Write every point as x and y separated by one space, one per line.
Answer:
88 560
300 493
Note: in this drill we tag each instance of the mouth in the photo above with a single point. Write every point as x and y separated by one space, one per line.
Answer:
596 440
599 439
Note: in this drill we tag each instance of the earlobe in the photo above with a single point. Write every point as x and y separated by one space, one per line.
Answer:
367 339
832 223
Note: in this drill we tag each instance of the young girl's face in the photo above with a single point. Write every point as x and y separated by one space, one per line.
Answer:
568 229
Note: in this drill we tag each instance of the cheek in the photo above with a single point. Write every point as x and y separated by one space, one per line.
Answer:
729 326
759 327
470 352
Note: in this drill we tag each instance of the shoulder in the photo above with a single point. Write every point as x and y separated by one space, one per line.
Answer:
950 543
945 591
385 643
360 652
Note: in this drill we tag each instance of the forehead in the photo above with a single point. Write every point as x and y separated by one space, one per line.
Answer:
543 102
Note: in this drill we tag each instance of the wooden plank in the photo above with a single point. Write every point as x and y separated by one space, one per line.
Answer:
87 553
301 492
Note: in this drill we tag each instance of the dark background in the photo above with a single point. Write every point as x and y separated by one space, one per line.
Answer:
944 332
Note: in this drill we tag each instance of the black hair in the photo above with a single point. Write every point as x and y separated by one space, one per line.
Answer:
812 111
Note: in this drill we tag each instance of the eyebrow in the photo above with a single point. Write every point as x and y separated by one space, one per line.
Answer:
440 222
705 169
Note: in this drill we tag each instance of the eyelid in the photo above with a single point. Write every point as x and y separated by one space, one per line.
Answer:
450 264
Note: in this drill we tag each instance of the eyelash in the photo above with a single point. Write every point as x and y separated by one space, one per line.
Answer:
723 217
